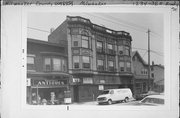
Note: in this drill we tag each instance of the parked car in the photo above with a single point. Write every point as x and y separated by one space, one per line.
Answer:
114 95
141 96
152 100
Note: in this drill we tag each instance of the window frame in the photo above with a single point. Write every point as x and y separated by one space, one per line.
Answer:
31 66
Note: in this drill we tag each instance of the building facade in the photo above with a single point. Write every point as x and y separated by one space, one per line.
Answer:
140 72
157 73
98 58
47 72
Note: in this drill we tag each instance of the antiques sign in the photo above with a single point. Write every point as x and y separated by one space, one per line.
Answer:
43 83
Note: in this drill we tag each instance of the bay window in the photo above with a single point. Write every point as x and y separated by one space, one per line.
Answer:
120 49
128 66
127 50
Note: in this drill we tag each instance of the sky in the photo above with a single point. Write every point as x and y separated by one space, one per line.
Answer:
137 24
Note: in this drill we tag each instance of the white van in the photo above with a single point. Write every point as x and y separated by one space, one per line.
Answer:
114 95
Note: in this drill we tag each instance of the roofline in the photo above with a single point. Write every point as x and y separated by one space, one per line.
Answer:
31 40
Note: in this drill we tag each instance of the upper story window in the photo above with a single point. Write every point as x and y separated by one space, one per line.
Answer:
86 61
128 66
99 46
76 61
110 46
55 64
121 66
111 65
127 50
120 49
85 42
144 72
30 62
100 64
47 62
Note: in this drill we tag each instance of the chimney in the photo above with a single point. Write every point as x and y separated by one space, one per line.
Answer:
51 30
152 62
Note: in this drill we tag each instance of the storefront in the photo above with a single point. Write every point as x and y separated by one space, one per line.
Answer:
46 90
88 88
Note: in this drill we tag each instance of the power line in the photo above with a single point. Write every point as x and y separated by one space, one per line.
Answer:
102 18
38 29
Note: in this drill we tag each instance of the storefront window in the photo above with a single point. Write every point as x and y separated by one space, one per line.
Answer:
30 63
121 66
85 42
86 62
76 61
56 64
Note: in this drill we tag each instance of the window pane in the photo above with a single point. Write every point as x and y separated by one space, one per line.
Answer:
85 43
128 64
63 65
121 65
111 63
47 62
86 62
56 64
120 49
99 44
100 63
30 60
85 59
127 50
76 61
110 46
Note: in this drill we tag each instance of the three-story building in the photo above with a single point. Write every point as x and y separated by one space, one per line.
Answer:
98 57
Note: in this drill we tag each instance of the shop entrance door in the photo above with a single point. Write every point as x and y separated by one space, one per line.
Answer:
76 94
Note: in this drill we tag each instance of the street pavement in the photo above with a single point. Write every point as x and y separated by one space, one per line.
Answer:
114 104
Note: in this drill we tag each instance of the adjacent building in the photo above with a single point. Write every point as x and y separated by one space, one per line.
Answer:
140 72
47 71
157 73
98 57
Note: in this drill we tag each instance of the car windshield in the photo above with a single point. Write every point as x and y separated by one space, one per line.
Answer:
153 100
105 92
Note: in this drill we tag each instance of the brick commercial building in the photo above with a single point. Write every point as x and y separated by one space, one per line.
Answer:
47 72
98 58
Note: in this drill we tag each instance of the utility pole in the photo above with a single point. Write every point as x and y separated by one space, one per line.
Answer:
149 83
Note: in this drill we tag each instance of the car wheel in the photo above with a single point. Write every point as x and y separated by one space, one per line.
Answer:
126 99
109 101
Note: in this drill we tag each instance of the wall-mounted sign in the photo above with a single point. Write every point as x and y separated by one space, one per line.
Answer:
76 80
101 87
49 82
28 82
87 81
